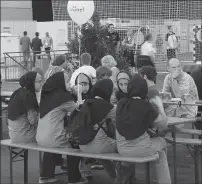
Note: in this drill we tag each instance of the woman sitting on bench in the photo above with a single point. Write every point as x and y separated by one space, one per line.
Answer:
56 103
134 116
102 109
23 109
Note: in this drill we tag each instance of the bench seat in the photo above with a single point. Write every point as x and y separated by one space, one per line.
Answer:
79 153
185 141
189 131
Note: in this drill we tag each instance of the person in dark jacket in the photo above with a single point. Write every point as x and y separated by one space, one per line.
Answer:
197 76
36 47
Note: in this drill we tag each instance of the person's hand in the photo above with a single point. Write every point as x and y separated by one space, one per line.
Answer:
70 66
78 88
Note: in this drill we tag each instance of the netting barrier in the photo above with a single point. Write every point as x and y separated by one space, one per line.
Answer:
149 16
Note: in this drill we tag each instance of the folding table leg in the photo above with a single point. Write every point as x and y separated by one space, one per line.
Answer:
40 161
196 165
25 166
147 173
11 165
174 155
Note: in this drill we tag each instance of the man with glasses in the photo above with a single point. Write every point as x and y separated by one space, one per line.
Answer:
180 85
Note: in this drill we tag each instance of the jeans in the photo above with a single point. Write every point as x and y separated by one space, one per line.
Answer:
50 160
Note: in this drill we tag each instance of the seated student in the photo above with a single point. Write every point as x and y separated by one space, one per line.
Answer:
180 85
197 76
143 60
85 68
60 64
109 62
149 74
86 83
123 78
101 109
103 72
23 109
134 115
56 103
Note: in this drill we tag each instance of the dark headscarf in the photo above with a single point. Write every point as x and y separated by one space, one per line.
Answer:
24 98
134 114
101 106
120 94
84 95
53 93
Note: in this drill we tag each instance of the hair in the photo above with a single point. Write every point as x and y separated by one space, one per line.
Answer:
173 59
103 71
85 59
149 71
148 36
37 33
109 59
110 25
25 33
59 60
169 26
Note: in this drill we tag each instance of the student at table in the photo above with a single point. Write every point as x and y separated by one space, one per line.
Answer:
103 72
86 68
134 116
23 109
180 85
102 109
149 74
123 78
86 83
60 64
56 103
197 76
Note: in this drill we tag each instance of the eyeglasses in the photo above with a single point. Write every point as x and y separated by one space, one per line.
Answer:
175 68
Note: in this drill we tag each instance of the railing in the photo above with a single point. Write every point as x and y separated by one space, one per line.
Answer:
14 66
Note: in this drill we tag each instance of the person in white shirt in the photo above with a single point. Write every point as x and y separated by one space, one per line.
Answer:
171 43
85 68
147 48
48 44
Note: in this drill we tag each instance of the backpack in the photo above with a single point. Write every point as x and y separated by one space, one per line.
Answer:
81 127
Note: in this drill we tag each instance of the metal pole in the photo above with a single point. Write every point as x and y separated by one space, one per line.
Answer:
1 126
174 155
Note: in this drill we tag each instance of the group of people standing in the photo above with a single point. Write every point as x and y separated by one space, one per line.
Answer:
147 48
36 46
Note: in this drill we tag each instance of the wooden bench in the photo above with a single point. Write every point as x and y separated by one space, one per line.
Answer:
71 152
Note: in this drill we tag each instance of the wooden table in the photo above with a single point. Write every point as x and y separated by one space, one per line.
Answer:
198 103
172 122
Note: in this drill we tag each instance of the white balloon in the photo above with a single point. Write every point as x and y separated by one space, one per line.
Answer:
80 11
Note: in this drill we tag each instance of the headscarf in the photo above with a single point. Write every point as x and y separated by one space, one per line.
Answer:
101 93
103 89
134 114
121 75
83 78
24 98
53 93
